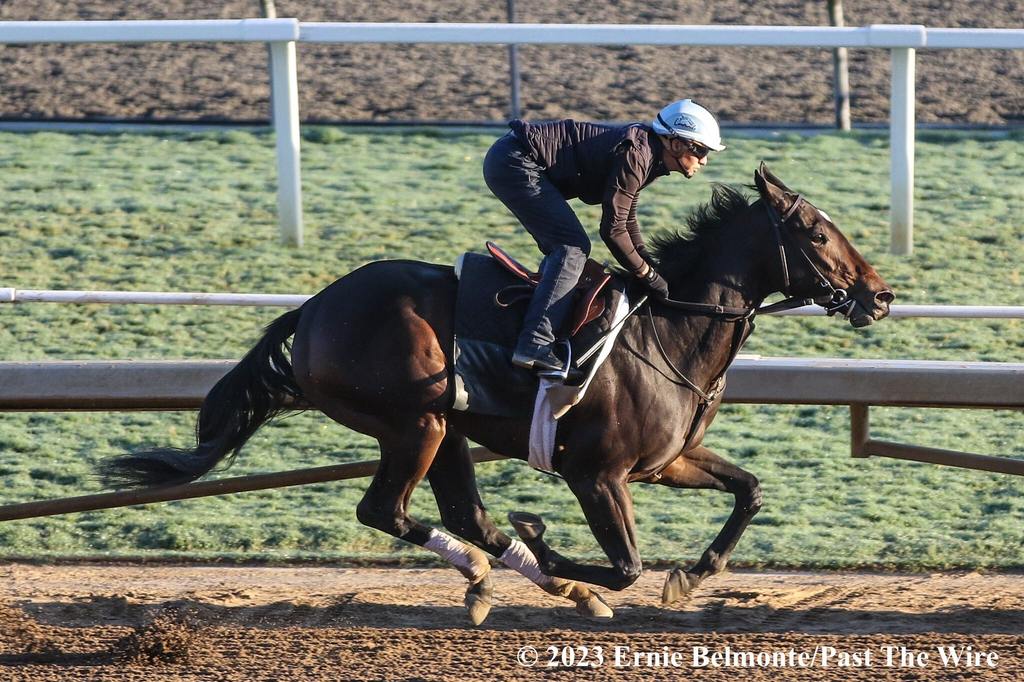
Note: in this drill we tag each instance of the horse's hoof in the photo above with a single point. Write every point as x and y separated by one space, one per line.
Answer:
678 585
479 599
589 604
528 526
594 607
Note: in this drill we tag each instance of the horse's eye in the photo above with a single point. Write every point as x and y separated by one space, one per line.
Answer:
819 238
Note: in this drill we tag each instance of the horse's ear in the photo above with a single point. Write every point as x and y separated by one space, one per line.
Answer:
771 177
770 188
759 180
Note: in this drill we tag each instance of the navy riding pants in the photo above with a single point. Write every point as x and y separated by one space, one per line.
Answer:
514 176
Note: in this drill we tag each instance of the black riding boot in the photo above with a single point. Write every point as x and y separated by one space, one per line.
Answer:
549 307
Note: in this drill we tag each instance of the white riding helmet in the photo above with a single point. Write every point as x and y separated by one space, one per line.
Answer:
690 121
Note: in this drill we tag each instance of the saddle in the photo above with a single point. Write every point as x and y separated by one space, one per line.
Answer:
589 303
491 299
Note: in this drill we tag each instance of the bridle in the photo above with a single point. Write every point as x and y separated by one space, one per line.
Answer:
838 301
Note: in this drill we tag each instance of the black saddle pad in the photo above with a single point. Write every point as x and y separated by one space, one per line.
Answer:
485 335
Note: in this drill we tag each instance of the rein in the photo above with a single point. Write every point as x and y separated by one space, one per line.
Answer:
716 387
706 398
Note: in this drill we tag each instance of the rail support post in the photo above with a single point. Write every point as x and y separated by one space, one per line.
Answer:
901 135
862 445
285 94
860 429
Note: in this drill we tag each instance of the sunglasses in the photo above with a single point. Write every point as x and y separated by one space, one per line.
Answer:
698 150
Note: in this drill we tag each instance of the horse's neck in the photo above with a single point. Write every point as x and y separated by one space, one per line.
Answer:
702 345
728 272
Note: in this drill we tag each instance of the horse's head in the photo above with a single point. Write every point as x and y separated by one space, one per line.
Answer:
815 260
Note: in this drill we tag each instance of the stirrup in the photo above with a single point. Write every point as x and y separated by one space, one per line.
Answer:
561 375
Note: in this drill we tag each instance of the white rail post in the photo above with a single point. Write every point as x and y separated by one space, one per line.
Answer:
285 94
901 141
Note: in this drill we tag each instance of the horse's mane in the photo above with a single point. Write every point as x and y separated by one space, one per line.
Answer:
677 253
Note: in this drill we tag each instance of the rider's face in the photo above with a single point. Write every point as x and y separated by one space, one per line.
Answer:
683 156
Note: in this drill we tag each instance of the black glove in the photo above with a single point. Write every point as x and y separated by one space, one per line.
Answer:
656 284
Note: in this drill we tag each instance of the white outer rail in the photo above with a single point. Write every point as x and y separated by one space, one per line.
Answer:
12 295
282 34
615 34
172 31
985 38
9 295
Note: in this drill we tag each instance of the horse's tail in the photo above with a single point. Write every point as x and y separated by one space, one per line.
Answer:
255 391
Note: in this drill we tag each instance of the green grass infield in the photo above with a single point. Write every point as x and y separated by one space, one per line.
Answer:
197 212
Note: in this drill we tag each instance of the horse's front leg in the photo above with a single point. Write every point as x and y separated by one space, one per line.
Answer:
608 507
701 468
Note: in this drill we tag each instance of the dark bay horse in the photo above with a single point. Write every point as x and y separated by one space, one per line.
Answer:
373 351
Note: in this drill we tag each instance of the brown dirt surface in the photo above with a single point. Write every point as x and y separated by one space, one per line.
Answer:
470 83
128 623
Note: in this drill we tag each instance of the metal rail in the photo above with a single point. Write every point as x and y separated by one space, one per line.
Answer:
150 31
131 385
11 295
73 385
863 445
884 36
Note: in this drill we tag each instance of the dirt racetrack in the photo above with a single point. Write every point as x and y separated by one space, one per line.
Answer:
91 622
380 83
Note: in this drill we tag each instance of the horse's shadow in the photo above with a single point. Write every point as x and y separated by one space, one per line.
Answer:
713 615
33 639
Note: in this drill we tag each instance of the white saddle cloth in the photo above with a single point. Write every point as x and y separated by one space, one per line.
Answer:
555 399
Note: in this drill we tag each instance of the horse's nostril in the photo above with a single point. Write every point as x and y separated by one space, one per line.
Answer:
885 297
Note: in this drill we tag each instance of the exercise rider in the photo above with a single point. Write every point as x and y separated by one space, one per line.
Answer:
536 168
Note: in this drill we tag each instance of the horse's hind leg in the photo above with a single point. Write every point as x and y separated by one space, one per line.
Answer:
702 468
453 480
406 453
608 507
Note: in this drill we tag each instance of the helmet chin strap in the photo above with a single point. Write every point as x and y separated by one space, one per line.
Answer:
665 124
677 160
671 135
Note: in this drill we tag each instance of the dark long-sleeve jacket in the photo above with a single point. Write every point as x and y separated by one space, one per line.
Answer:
600 164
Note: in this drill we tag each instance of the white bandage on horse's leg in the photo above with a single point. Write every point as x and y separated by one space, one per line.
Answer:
520 559
470 561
